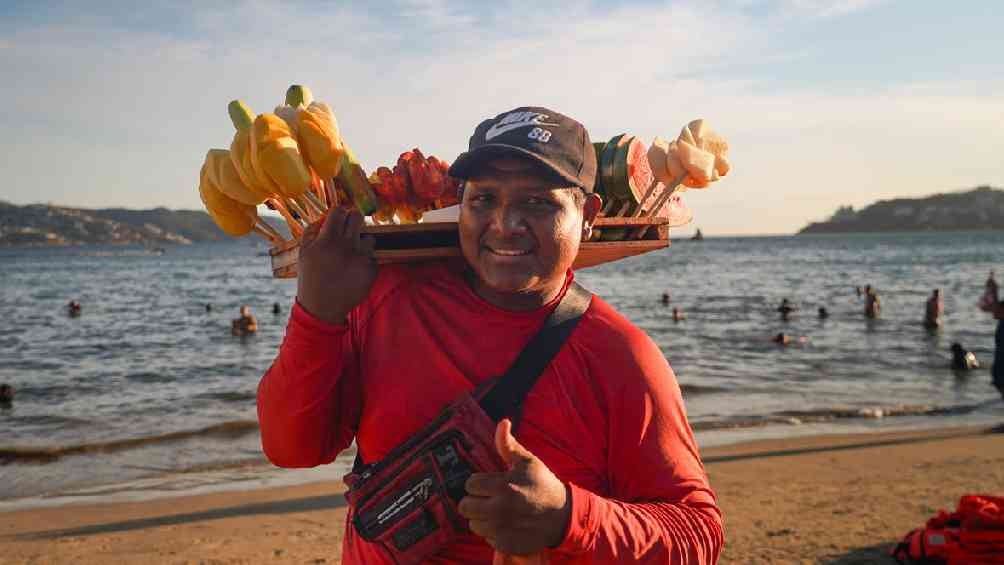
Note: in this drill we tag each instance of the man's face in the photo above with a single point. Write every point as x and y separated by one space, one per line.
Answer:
519 230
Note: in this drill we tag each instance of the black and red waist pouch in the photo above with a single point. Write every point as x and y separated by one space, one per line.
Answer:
406 504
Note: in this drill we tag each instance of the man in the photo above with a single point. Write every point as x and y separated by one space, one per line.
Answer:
605 468
246 324
873 306
997 370
932 312
785 309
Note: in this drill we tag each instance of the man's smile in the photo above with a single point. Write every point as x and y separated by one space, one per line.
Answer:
507 251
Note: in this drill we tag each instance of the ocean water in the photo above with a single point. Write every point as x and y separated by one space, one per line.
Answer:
148 388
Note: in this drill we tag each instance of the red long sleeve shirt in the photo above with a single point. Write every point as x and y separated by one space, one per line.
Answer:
606 416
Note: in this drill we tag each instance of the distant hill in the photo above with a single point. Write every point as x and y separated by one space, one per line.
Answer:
981 208
43 224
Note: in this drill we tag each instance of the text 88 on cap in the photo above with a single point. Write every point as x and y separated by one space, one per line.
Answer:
554 140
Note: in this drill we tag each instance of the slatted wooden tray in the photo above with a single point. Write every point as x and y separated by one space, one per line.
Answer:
439 240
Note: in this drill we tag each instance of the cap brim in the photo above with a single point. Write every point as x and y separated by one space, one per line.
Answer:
467 164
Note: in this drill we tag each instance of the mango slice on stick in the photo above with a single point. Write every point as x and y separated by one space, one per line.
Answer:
275 157
320 141
231 216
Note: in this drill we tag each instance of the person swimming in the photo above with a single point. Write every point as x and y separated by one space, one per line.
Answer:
246 324
6 394
209 307
873 306
73 309
989 300
786 309
784 339
678 315
823 313
933 310
275 308
665 299
963 360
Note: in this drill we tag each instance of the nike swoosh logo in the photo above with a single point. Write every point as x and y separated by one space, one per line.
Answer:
497 129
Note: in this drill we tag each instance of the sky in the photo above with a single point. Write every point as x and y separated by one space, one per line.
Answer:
824 103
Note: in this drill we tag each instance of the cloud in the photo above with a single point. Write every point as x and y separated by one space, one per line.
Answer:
108 111
812 9
799 156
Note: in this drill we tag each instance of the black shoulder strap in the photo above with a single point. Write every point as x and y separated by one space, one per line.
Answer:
506 397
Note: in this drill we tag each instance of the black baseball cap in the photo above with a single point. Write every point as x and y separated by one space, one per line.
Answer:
553 140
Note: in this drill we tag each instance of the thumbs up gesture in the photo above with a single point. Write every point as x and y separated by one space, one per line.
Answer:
522 511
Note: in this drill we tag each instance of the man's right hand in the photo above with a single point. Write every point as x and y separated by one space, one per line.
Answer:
336 266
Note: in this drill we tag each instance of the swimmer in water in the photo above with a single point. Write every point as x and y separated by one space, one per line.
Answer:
873 306
665 299
6 394
73 309
209 307
678 315
963 360
275 308
786 309
784 339
933 311
246 324
823 313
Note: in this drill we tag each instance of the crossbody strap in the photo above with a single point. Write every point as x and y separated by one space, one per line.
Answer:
506 397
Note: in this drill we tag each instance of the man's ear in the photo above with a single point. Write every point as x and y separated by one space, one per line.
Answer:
591 208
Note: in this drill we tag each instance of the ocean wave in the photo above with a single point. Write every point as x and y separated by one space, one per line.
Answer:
122 253
48 420
830 414
230 396
150 377
691 389
41 455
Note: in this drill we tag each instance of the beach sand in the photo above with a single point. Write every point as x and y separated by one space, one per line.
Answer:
824 499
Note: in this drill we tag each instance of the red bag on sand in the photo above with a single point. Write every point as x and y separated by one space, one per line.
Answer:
972 535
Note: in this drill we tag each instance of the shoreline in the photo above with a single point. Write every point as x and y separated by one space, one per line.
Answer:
842 497
258 473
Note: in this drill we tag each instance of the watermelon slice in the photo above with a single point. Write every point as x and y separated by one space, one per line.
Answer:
606 166
639 172
598 186
632 174
620 177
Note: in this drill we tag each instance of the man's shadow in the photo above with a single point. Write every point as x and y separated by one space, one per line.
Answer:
865 556
308 504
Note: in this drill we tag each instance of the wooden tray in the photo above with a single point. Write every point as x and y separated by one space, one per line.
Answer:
439 240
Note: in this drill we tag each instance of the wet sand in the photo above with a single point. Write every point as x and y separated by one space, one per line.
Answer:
824 499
